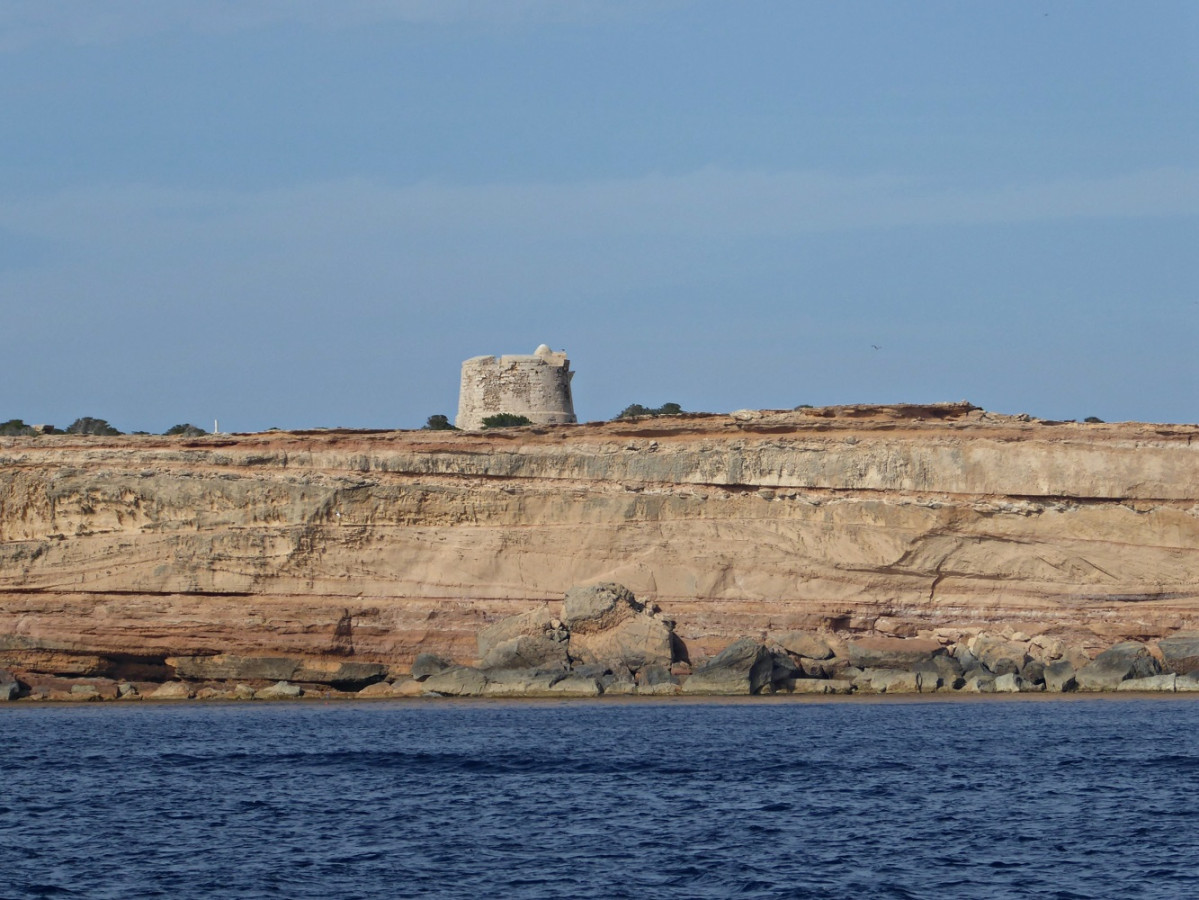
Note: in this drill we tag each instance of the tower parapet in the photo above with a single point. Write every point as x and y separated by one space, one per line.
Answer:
535 386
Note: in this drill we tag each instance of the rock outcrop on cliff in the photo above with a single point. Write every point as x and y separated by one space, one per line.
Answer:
149 558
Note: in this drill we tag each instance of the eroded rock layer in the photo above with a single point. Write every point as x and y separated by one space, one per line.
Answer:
119 555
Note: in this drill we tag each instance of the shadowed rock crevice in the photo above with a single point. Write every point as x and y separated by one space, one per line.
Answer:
343 636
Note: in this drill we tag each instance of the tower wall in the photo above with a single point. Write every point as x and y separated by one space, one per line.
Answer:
535 386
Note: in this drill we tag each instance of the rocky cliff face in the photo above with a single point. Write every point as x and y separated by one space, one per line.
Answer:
121 555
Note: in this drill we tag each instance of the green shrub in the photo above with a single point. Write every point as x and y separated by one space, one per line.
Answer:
439 423
1094 420
88 425
506 420
15 428
185 430
636 410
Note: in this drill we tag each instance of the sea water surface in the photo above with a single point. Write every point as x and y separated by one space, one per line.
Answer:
1000 798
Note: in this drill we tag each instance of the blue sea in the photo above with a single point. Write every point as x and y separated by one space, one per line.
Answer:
994 798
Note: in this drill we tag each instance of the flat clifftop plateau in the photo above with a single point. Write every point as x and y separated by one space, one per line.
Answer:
120 554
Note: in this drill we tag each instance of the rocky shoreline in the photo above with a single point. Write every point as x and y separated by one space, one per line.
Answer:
602 641
332 560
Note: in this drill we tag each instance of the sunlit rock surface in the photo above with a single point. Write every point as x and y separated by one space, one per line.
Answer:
118 555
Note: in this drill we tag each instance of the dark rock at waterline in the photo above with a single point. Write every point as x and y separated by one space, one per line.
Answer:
514 683
678 649
427 664
947 665
459 681
820 686
1004 665
743 667
343 675
577 686
518 683
9 688
812 668
1180 653
615 677
943 667
97 689
1059 676
226 667
893 681
282 690
834 667
1033 672
891 653
509 676
619 684
1129 659
805 644
599 669
172 690
1188 683
527 652
978 681
1166 682
784 668
965 659
655 675
1008 683
1000 655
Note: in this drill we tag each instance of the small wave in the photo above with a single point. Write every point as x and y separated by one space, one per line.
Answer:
752 886
1173 761
494 762
48 890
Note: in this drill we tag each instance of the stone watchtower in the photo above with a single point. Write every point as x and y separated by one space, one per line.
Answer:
537 387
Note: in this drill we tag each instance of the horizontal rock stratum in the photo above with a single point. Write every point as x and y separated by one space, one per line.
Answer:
119 555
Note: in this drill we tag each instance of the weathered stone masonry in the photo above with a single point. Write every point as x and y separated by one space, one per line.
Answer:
535 386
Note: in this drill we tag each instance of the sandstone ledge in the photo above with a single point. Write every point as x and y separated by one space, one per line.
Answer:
121 555
983 663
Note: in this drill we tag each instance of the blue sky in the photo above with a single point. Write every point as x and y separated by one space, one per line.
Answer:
295 213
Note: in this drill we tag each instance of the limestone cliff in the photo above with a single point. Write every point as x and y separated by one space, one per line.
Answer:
119 554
